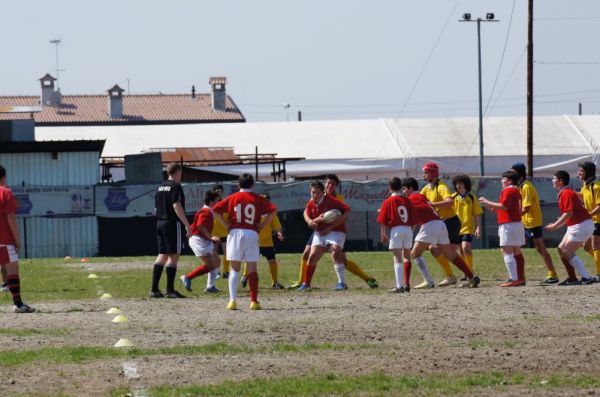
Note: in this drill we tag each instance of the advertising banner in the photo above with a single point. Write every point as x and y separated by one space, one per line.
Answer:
54 200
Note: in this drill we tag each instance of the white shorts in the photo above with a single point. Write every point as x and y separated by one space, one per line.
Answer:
512 234
433 232
12 254
242 245
580 232
201 246
401 237
331 238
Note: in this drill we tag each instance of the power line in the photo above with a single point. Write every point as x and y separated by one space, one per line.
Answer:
567 62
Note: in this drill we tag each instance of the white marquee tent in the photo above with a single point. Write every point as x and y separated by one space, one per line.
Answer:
367 149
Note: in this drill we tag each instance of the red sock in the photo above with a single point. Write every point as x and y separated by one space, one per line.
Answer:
569 268
407 268
310 271
253 285
462 266
200 270
520 266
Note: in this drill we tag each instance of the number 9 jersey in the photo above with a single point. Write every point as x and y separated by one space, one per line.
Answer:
397 210
245 209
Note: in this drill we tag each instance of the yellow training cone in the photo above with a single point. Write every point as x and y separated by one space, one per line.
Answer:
120 319
114 310
84 260
106 296
124 342
92 276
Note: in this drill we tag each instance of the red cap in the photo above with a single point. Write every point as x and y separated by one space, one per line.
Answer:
432 169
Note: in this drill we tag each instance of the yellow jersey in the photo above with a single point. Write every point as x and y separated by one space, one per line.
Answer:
467 208
530 198
339 196
591 197
438 192
265 237
218 228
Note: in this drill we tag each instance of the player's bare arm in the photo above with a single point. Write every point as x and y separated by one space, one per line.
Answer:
445 203
12 223
181 215
491 204
280 234
595 211
560 221
384 234
267 220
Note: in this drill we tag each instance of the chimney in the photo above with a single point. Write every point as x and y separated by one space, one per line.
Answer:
49 96
218 96
115 102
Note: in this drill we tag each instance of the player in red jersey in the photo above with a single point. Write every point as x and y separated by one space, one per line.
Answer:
433 236
10 243
327 236
398 215
580 227
511 231
203 245
244 210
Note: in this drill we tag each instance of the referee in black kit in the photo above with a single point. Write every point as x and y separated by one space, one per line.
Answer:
170 214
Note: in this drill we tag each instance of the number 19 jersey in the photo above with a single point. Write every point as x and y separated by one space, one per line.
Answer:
397 210
245 209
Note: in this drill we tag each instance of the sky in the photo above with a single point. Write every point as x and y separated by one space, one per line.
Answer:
329 59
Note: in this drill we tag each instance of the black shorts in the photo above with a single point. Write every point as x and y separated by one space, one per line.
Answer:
466 237
268 252
169 235
221 250
534 232
453 226
596 229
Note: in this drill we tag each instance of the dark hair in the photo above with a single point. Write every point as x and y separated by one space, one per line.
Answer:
267 196
333 177
464 179
246 181
395 184
411 183
318 185
520 169
514 178
173 168
210 196
217 187
563 176
2 172
589 168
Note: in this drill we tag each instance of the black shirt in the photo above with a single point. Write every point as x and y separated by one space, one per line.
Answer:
169 193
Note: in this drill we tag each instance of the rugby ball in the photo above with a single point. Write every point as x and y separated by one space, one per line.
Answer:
331 216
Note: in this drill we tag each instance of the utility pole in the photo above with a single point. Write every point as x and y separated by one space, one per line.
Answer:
56 42
530 89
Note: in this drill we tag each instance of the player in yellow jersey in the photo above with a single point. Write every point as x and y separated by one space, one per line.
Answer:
221 232
267 248
469 212
531 216
590 194
331 184
439 195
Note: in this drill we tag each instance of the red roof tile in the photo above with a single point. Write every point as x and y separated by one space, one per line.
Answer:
138 109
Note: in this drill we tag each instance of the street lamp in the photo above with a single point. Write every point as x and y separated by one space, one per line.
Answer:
286 106
56 42
489 17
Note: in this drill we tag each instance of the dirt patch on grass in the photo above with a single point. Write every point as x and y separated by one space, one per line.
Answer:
529 330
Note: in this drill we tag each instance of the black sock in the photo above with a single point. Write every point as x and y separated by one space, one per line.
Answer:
156 273
171 271
14 285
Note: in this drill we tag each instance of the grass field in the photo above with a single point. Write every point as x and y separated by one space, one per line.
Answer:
446 341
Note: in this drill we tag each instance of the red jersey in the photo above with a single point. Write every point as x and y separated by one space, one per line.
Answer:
8 205
397 210
424 211
327 203
245 209
510 197
568 201
203 217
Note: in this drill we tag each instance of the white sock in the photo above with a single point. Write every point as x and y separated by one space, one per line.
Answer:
212 278
423 269
233 284
399 270
511 266
340 270
579 267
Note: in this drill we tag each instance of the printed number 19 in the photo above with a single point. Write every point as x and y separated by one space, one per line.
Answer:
249 212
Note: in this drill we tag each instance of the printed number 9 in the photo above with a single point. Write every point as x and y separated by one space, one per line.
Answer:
403 212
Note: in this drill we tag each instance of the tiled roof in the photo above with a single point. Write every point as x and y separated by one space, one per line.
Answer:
137 109
217 80
210 155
